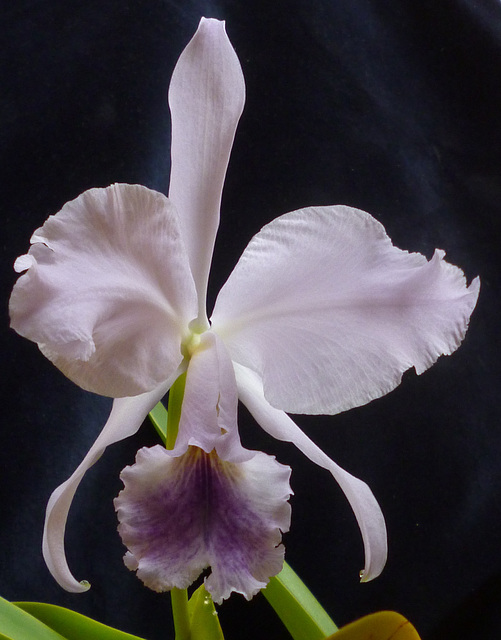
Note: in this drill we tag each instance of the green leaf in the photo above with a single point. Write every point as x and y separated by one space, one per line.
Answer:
70 624
158 417
297 607
383 625
204 621
16 624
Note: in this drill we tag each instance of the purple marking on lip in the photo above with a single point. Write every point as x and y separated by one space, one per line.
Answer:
180 515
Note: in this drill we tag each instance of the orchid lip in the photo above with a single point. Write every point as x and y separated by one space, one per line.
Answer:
182 514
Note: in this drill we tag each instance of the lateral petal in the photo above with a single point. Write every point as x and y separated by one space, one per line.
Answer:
181 514
206 98
108 292
367 511
125 419
330 314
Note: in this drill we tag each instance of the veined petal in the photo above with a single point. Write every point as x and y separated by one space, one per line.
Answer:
330 314
108 292
362 500
125 419
206 98
209 411
181 514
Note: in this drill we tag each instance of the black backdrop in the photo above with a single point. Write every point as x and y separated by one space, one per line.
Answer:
392 107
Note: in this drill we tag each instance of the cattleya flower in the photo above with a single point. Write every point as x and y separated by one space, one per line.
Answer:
321 313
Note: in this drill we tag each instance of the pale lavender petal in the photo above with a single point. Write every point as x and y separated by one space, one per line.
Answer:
181 515
125 419
362 501
206 98
209 411
108 292
330 314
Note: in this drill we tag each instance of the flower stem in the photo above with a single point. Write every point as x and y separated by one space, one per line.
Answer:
179 602
176 395
179 597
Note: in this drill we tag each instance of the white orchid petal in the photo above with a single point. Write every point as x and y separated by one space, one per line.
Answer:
125 419
206 98
181 514
210 403
278 424
108 291
330 313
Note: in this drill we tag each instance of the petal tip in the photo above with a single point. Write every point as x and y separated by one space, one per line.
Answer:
211 27
23 263
365 576
474 287
207 22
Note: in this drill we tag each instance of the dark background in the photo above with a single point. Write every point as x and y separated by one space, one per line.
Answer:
392 107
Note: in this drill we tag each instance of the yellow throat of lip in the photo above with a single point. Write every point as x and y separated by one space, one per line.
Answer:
191 344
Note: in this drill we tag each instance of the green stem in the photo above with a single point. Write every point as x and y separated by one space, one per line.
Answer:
179 597
176 395
179 601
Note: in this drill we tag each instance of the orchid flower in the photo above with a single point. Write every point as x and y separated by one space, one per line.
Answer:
321 313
